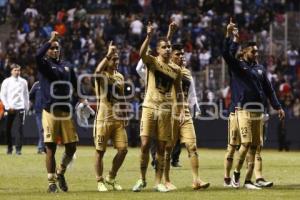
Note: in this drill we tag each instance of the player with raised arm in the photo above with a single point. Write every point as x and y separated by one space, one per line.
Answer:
57 80
248 102
185 132
110 121
163 78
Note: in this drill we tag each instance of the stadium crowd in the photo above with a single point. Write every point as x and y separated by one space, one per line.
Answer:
85 27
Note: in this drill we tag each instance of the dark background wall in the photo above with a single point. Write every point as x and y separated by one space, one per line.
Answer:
210 134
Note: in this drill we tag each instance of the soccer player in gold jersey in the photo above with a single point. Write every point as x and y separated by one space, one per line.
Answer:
186 131
110 121
163 78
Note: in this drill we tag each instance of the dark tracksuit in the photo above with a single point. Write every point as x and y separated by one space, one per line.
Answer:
248 81
50 71
36 98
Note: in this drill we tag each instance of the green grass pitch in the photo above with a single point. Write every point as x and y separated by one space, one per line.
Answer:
25 177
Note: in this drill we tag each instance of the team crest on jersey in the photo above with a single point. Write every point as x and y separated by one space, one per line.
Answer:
259 71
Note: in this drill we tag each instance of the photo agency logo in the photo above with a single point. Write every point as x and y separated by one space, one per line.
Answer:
119 105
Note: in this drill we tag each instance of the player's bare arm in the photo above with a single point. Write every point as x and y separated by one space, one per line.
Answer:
171 30
143 51
111 51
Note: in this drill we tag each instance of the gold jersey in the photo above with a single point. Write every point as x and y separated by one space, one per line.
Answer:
110 93
160 84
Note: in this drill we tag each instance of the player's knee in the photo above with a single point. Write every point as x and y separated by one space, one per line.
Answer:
50 145
160 150
145 148
169 148
50 148
252 149
243 151
241 161
244 148
192 149
229 159
168 155
246 145
168 152
230 152
145 142
70 149
123 151
258 150
100 153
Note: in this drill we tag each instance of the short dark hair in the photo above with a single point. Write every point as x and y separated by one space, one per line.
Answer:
248 44
14 65
177 47
162 39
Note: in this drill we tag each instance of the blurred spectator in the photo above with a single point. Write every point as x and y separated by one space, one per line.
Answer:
3 10
136 27
292 56
296 107
284 88
204 57
177 17
86 26
31 11
36 101
60 27
80 12
61 15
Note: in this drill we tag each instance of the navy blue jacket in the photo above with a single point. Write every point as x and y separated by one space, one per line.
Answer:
35 96
50 72
248 82
269 92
